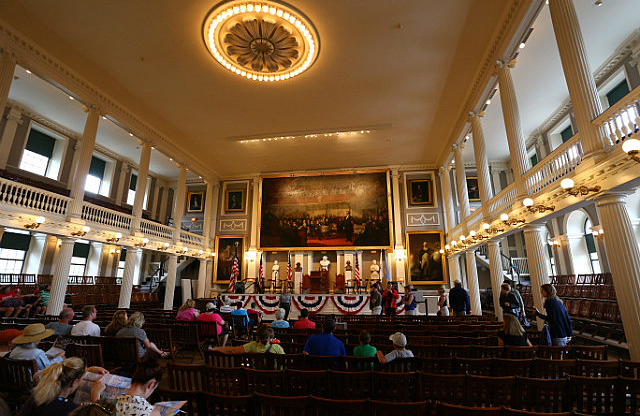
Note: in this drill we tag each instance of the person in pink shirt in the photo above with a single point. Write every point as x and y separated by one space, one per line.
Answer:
304 322
187 312
210 316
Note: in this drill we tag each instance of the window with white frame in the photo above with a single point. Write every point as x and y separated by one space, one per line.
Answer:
38 152
79 258
13 249
131 195
93 183
591 247
120 271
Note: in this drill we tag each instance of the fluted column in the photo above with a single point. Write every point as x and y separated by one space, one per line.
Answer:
497 277
624 260
202 278
397 225
461 181
61 266
208 210
179 203
454 270
141 187
447 198
84 162
14 118
482 163
130 266
515 137
172 268
577 73
7 69
255 227
472 281
538 262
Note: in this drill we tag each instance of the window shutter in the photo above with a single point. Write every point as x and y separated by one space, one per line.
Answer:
15 241
123 254
133 182
81 250
97 167
40 143
566 134
591 245
617 93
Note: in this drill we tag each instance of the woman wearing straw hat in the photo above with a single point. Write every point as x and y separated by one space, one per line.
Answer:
27 343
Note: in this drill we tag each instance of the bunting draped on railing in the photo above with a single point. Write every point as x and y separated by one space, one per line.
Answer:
313 304
268 303
350 305
237 298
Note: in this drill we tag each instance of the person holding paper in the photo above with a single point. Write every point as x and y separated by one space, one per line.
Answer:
27 347
143 383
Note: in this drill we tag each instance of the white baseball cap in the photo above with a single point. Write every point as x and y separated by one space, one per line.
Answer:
398 339
209 306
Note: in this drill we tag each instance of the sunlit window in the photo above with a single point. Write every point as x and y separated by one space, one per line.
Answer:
34 162
11 261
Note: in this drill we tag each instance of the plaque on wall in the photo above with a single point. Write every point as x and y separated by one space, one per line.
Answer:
419 220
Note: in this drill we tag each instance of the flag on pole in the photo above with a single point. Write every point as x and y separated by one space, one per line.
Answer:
235 271
289 269
356 272
386 269
260 276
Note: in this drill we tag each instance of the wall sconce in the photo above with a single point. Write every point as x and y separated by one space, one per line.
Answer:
511 221
251 255
82 233
632 148
491 230
400 254
200 252
213 254
115 239
164 247
182 250
597 232
528 202
145 241
37 223
569 185
114 251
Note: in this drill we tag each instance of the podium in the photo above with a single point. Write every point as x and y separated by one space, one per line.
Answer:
340 286
315 282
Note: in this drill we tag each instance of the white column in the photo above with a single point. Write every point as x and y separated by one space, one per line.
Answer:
497 277
202 278
447 198
84 162
482 163
397 226
14 118
179 203
538 262
252 266
7 69
186 289
454 270
207 288
93 260
130 265
577 73
209 208
564 252
33 257
515 138
624 260
172 268
141 187
61 266
472 280
461 181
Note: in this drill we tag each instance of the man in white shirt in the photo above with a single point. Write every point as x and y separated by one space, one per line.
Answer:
226 307
86 326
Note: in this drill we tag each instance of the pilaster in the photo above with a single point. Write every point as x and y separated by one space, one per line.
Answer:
461 181
14 118
538 262
482 163
447 199
7 69
397 226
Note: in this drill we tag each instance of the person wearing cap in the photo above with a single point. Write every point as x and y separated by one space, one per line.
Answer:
27 343
62 327
209 315
399 349
459 300
6 338
86 327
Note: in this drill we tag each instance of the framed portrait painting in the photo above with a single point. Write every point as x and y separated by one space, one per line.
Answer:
426 264
234 200
195 201
226 249
420 192
473 189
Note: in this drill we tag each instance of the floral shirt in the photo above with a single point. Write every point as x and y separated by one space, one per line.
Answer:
127 405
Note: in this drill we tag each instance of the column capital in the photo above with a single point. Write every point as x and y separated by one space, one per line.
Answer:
14 114
501 64
612 197
534 228
493 243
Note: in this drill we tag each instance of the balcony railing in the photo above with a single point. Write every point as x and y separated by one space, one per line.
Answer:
25 197
105 216
156 229
502 201
190 238
620 121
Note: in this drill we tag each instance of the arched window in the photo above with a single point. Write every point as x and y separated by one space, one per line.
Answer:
591 247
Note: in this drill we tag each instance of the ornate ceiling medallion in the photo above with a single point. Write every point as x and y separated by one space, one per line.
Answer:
264 40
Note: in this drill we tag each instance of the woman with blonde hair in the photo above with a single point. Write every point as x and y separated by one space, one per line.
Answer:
188 311
512 333
557 317
133 329
57 383
118 321
442 302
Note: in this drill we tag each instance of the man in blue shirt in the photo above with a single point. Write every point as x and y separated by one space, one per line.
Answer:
459 300
326 343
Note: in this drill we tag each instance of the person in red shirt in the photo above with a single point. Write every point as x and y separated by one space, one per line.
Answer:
255 316
304 322
389 299
211 316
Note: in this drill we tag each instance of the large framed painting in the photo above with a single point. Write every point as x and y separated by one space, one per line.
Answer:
328 210
473 189
234 200
226 248
420 192
195 202
426 264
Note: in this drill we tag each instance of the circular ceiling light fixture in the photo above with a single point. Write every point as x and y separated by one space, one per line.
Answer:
264 40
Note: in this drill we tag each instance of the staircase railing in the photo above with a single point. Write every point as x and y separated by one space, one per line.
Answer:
508 263
156 277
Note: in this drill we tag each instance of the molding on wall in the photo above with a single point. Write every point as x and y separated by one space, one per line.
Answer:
420 220
233 225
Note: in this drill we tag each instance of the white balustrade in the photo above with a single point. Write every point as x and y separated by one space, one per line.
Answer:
31 198
191 238
620 121
474 220
522 264
105 216
156 229
502 201
559 163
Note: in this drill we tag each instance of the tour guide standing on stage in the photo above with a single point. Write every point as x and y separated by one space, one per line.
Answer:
389 298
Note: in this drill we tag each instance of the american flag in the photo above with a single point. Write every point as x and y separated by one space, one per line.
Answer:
235 271
356 272
260 275
289 270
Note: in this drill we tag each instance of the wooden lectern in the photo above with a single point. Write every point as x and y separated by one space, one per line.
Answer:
316 282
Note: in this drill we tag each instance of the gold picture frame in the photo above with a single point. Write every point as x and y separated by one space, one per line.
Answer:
225 250
425 264
195 201
420 192
234 200
473 189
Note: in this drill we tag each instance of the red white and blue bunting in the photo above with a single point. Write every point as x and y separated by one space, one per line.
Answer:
268 303
313 304
237 298
350 305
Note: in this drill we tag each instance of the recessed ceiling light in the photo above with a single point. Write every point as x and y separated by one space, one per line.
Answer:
27 71
522 45
71 98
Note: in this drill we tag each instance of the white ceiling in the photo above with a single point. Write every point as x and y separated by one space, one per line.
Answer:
406 64
538 77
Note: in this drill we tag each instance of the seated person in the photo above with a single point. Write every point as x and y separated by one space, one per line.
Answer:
118 321
144 382
6 338
326 343
11 305
255 316
304 322
62 327
364 349
27 346
86 327
226 306
188 311
280 322
399 349
133 329
240 311
262 344
512 333
210 316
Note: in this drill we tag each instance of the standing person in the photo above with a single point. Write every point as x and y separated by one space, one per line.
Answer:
304 322
118 321
86 326
375 301
326 343
557 316
389 299
521 313
509 301
442 302
399 349
188 311
285 301
409 302
27 346
62 327
459 300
